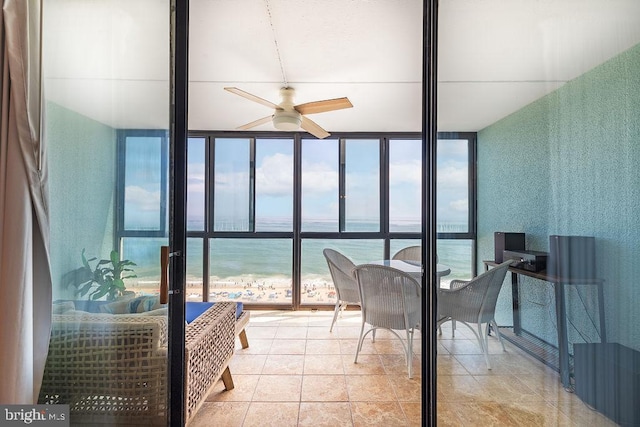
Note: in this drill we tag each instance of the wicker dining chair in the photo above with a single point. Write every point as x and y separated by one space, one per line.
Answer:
391 300
410 253
341 269
474 302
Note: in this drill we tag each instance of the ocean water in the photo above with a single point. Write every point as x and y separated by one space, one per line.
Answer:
260 259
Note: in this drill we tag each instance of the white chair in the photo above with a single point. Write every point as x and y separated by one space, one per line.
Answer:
341 269
391 299
474 302
410 253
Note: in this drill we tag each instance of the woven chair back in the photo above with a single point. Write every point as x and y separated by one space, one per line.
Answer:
341 269
390 298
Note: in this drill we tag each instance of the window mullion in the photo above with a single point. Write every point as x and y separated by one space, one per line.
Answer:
341 185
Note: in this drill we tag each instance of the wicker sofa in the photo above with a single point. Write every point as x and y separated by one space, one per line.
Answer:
112 368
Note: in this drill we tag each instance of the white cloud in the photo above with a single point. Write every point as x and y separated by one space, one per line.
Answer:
409 172
461 205
275 175
319 178
452 177
141 199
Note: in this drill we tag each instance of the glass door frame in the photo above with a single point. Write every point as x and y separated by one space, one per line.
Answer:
177 210
429 197
179 84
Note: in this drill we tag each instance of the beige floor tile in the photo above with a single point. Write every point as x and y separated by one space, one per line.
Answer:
478 413
349 346
228 414
288 346
323 364
382 414
324 388
582 415
549 387
291 332
278 388
321 333
388 346
405 389
449 365
507 388
247 364
369 388
296 372
244 387
256 346
325 414
465 346
368 364
323 347
284 364
268 332
536 414
350 331
447 414
395 364
295 319
272 414
413 412
459 388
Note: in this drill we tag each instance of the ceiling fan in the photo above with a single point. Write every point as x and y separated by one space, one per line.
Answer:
287 116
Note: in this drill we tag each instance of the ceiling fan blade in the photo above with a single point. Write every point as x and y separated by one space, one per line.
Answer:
323 106
313 128
255 123
251 97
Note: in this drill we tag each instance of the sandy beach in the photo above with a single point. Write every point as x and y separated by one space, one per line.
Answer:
247 288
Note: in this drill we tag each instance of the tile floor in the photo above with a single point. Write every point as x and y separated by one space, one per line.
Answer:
296 373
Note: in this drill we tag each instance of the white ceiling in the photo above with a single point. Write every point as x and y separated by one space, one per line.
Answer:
108 59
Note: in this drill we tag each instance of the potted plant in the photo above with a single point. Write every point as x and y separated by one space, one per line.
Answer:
106 278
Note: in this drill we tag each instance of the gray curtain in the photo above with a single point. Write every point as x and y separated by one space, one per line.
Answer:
25 277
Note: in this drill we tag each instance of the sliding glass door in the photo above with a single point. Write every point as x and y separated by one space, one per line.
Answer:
106 73
552 90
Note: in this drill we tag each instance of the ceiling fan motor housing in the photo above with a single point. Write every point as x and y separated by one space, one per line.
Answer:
287 120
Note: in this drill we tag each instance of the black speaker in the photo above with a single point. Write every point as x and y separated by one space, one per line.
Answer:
607 377
572 257
506 241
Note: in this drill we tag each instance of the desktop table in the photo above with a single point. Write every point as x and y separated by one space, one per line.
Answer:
561 318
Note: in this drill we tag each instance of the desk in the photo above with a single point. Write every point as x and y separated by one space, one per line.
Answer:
413 268
561 318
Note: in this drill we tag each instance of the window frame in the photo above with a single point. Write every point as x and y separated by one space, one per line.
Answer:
296 234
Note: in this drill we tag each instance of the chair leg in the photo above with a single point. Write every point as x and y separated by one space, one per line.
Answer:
335 315
495 328
409 354
360 342
243 339
483 338
227 380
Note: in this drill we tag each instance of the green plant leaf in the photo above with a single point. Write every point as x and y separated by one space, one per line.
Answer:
99 293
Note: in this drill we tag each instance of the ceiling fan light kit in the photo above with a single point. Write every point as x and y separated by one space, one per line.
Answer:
289 117
285 120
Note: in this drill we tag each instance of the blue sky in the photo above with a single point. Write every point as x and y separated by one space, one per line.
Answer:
274 180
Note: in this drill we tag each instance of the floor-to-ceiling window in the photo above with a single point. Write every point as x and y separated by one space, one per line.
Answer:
262 208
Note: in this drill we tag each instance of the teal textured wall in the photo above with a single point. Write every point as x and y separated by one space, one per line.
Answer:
82 178
568 164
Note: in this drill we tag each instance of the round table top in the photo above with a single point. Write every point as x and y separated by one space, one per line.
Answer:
412 267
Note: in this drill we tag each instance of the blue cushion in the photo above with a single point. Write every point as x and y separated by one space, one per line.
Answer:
193 309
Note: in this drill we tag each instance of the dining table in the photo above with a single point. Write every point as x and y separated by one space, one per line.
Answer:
414 268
